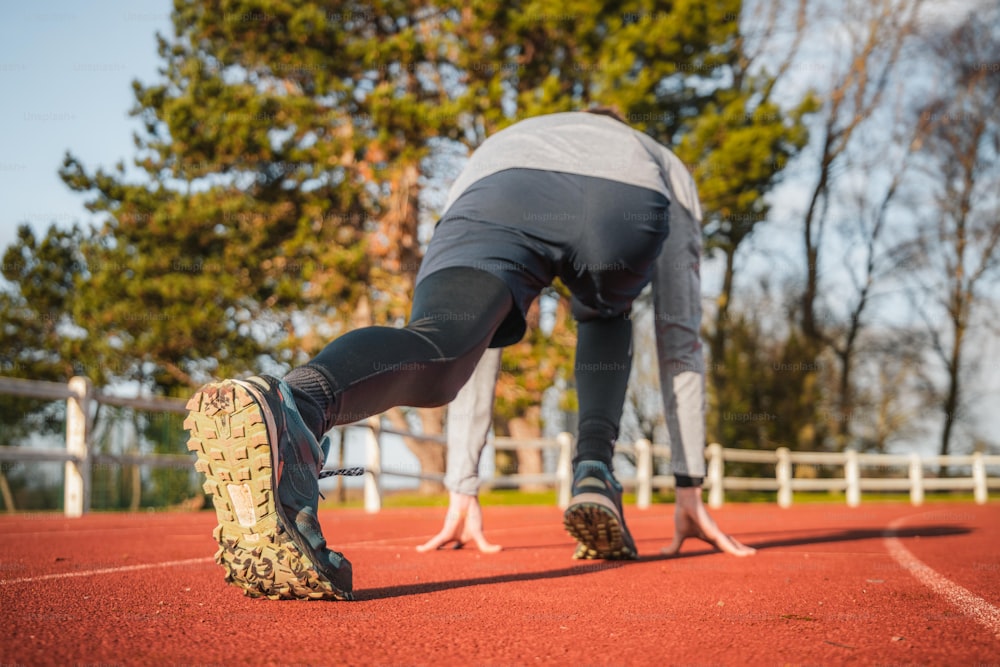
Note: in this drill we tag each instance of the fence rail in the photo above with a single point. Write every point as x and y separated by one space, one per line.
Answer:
80 396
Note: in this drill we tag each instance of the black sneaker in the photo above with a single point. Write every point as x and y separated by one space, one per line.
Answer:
261 465
594 516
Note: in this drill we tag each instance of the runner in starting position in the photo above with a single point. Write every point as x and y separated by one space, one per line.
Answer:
578 196
676 286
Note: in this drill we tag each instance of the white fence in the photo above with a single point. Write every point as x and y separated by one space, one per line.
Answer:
910 470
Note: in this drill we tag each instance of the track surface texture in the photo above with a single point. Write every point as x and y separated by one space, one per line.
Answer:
882 584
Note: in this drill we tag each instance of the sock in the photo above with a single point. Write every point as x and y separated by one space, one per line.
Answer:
313 397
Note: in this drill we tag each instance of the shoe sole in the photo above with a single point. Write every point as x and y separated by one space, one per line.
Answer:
230 436
594 522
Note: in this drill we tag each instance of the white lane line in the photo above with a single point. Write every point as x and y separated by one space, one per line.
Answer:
70 534
967 602
107 570
392 543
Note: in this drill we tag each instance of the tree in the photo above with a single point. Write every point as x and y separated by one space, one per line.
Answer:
281 159
955 255
888 401
816 332
38 336
874 37
739 146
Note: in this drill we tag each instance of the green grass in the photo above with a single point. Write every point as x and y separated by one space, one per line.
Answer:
499 497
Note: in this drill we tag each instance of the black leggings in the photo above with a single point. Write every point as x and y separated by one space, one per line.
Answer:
367 371
455 313
603 364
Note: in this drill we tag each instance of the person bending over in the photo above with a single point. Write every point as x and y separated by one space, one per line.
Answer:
577 196
676 287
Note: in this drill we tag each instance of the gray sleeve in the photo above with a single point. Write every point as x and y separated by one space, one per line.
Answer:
470 417
677 320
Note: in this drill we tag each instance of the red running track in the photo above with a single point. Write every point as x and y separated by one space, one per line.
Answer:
829 586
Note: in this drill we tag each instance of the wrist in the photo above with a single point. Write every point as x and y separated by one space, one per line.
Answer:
686 481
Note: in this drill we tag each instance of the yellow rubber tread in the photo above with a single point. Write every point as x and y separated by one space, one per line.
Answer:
597 529
229 434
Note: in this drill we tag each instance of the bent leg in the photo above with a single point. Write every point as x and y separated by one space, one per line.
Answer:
594 516
367 371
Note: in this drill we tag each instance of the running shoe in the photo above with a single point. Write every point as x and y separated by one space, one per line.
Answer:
594 516
261 467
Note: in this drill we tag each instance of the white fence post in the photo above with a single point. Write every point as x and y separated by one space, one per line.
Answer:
916 480
979 489
716 494
643 473
783 474
373 466
852 474
564 469
76 493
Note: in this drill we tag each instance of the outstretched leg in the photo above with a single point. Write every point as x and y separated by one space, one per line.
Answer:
595 517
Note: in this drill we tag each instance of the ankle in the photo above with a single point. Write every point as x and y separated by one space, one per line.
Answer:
312 396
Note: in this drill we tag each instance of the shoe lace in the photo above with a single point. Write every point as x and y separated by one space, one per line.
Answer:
324 448
346 472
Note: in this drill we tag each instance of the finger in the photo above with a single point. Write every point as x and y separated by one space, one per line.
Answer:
474 533
674 548
435 542
733 547
448 534
708 530
474 528
486 547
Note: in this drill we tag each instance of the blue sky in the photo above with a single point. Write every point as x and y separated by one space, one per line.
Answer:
65 71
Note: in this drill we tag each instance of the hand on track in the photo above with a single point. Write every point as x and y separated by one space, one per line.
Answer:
463 523
691 519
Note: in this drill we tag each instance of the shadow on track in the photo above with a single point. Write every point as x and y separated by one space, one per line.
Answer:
587 567
851 535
